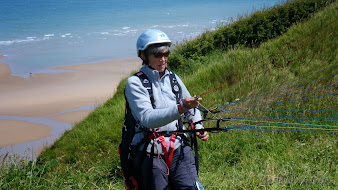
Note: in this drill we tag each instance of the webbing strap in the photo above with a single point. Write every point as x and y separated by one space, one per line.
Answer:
194 144
164 147
168 157
126 185
171 150
146 84
133 180
175 87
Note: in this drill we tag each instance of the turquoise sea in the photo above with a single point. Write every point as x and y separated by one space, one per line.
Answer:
36 35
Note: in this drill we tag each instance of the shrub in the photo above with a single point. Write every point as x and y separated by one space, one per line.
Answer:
249 30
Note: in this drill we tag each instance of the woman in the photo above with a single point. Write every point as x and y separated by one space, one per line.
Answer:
162 167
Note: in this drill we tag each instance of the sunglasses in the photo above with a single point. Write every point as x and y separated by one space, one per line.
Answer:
160 54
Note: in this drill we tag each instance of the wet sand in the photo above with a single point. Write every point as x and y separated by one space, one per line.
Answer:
13 132
71 117
50 95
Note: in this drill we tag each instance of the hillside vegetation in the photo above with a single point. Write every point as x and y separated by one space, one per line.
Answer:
253 79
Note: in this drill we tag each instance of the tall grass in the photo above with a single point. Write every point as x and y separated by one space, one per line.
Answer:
87 158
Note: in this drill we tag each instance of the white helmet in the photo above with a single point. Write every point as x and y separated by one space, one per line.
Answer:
149 37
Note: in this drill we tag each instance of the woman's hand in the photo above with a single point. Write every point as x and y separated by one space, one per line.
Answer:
204 136
188 103
191 102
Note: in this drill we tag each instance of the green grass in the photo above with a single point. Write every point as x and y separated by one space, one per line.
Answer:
87 157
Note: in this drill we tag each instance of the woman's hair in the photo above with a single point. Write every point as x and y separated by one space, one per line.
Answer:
155 49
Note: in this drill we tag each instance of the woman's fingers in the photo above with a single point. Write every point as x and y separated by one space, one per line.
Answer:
191 102
204 136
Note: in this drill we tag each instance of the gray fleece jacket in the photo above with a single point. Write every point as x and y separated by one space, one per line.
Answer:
165 115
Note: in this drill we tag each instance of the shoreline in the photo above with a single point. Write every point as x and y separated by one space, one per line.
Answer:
55 97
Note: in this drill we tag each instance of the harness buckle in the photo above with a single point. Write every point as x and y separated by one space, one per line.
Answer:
160 138
173 138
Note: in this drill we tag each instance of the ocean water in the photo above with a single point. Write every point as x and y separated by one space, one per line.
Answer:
36 35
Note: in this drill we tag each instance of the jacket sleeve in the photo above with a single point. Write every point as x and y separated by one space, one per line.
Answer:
185 93
142 110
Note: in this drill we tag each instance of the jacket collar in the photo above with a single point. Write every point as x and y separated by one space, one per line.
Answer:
152 73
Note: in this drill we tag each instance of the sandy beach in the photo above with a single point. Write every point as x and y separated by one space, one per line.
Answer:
13 132
55 96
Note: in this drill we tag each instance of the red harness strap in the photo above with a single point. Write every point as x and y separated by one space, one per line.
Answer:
164 147
172 148
133 180
168 157
192 124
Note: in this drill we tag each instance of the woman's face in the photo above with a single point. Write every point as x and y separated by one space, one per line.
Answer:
159 60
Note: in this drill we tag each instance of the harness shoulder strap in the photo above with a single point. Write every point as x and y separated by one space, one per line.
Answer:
175 87
147 84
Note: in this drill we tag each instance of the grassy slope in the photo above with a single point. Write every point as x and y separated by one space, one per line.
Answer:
87 157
